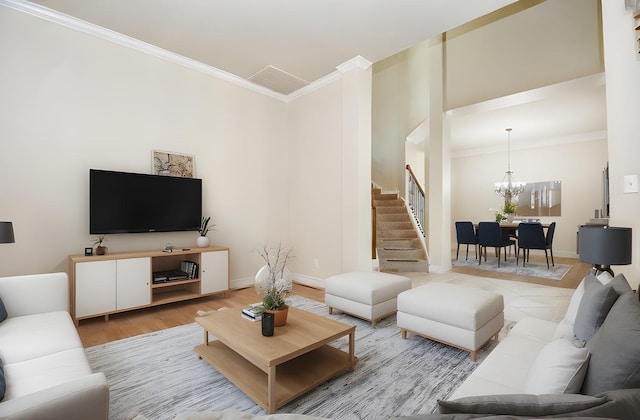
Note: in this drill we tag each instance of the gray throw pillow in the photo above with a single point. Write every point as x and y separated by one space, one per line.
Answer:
3 311
615 349
594 307
521 404
3 384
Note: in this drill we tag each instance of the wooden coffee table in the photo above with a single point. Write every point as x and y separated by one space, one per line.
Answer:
275 370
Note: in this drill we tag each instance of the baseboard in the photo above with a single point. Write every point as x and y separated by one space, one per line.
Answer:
305 280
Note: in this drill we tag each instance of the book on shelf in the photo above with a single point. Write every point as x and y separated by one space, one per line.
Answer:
191 268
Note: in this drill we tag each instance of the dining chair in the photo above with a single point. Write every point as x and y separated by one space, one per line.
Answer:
531 236
466 235
490 235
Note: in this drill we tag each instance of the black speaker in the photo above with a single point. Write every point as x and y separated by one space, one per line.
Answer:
267 324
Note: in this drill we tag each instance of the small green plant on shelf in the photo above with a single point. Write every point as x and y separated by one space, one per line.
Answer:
99 244
205 227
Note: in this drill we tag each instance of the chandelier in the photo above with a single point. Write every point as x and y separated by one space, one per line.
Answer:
508 188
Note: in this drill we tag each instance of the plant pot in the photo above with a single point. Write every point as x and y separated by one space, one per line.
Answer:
510 217
101 250
280 317
202 241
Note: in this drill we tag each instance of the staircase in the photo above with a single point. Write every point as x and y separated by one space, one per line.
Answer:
398 245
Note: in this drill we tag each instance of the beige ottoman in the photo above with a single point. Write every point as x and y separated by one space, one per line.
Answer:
462 317
369 295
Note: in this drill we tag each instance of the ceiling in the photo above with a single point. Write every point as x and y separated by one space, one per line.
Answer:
293 43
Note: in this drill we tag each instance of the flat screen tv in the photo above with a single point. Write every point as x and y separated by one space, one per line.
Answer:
123 202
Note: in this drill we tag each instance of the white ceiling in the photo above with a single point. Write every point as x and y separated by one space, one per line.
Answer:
308 39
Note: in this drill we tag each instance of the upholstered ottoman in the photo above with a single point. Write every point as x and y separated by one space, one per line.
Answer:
462 317
370 295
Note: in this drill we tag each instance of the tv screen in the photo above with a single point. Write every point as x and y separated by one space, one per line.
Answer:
123 202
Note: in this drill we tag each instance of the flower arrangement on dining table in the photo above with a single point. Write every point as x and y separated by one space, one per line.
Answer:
508 209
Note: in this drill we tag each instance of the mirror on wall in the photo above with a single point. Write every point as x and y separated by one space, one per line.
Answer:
540 199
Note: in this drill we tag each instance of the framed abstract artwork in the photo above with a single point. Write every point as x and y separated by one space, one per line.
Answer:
172 164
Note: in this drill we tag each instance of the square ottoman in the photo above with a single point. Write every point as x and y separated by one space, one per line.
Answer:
369 295
459 316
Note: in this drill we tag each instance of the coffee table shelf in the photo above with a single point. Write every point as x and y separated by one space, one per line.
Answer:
293 378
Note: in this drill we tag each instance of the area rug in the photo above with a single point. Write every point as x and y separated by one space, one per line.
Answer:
532 268
158 375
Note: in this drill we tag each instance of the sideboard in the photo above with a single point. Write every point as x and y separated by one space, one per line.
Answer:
101 285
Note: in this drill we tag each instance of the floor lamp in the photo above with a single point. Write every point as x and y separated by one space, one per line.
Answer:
604 246
6 233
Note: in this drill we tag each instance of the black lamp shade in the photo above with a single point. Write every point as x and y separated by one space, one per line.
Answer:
6 233
605 245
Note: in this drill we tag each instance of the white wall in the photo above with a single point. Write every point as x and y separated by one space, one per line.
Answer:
399 105
315 139
551 42
623 107
70 101
578 166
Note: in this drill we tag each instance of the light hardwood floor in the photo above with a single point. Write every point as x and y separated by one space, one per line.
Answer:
97 331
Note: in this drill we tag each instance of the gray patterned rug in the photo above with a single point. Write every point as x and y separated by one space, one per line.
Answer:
535 269
158 375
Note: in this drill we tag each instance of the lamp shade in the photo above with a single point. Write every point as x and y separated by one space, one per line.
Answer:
6 233
605 245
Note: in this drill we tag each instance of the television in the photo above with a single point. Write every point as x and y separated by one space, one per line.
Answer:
123 202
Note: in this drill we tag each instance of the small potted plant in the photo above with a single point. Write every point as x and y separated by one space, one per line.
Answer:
99 244
273 283
205 227
509 209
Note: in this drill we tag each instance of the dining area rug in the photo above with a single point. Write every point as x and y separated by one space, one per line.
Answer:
534 269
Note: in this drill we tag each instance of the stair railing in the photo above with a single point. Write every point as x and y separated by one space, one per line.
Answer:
415 198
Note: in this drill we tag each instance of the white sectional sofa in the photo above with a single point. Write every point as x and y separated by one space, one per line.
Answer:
46 373
588 365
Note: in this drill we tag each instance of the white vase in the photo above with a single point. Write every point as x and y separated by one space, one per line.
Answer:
202 241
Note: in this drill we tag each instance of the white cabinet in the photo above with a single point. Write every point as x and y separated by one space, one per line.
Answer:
133 276
108 286
214 272
95 288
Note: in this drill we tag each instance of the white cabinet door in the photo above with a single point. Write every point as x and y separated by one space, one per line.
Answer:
132 286
214 271
95 287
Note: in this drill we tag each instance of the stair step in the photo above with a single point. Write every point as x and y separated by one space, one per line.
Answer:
385 196
391 210
401 254
393 217
404 266
398 243
404 225
395 202
397 234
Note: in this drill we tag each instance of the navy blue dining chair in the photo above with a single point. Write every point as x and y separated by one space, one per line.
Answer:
531 236
490 236
466 235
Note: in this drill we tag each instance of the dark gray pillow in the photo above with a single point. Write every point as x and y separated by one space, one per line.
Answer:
3 311
3 384
594 306
615 349
521 404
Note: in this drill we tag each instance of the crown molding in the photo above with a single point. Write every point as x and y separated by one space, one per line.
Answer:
71 22
357 62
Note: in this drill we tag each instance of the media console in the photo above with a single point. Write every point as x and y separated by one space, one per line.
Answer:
101 285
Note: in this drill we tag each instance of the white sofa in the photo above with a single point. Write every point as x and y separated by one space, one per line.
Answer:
47 374
588 365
